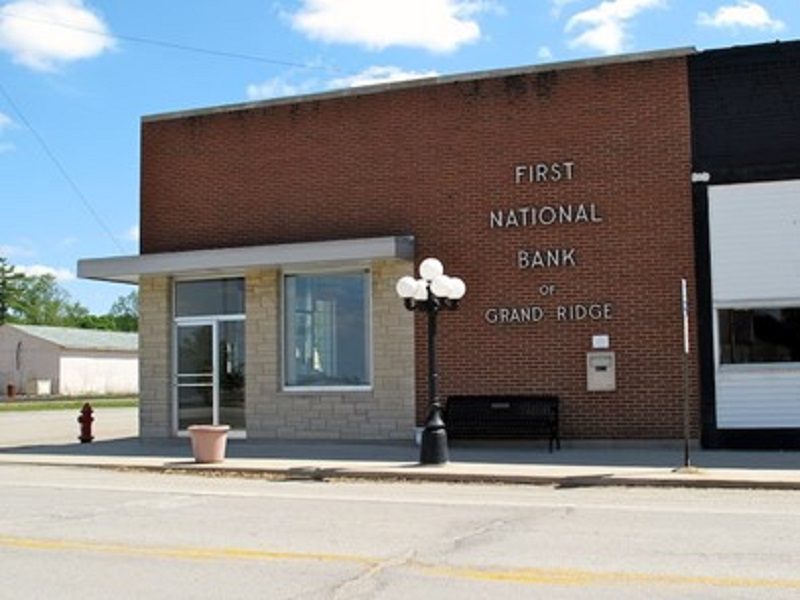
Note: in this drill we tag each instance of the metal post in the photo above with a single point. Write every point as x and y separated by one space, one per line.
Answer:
685 314
686 461
433 450
433 375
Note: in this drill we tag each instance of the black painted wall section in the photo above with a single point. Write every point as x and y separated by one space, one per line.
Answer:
745 105
705 324
745 110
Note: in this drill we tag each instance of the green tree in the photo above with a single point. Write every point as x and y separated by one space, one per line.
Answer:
41 301
125 312
96 322
9 288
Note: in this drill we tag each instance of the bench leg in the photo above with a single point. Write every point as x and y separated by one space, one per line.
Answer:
555 437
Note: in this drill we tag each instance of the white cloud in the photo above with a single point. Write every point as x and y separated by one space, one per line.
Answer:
544 53
744 14
379 74
558 6
283 86
276 87
43 34
8 250
37 270
5 123
132 234
435 25
604 27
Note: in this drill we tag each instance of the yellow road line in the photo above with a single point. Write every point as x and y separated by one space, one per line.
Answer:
187 553
579 577
535 576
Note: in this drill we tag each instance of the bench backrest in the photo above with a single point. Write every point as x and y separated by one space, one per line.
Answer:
510 406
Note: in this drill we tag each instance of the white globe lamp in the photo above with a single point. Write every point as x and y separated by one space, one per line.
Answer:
430 269
406 287
421 291
441 286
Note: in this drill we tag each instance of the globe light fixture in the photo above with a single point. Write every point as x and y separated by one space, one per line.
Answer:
432 292
430 269
441 286
406 287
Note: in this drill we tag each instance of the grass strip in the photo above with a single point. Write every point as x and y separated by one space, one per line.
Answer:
64 404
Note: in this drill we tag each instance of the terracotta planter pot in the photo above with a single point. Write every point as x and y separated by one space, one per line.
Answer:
208 442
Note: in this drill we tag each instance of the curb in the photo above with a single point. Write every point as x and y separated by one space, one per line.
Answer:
324 474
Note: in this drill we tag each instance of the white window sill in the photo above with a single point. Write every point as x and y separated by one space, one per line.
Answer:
337 389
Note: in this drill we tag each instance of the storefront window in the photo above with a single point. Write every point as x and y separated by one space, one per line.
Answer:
759 335
327 330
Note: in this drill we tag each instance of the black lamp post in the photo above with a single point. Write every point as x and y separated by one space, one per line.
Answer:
432 292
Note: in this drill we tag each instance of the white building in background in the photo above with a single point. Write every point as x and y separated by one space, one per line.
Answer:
41 360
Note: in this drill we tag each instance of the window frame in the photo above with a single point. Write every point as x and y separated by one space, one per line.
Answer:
210 319
206 277
366 271
753 367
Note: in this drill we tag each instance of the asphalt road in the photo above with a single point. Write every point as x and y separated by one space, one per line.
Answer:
84 533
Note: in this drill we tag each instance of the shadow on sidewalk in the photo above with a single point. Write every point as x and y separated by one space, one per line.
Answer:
500 453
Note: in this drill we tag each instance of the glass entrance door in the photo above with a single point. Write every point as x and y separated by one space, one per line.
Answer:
209 378
195 375
230 373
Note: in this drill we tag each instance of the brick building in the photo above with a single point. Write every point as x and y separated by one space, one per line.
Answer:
273 234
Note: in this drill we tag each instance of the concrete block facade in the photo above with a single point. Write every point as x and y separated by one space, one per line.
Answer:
155 357
384 412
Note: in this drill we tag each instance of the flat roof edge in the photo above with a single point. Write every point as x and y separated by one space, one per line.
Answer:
425 82
127 269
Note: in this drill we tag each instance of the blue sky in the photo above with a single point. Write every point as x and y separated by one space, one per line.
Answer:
77 75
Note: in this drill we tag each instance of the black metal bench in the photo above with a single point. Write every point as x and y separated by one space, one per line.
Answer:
503 416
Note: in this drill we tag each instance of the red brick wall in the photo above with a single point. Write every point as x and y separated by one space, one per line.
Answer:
433 161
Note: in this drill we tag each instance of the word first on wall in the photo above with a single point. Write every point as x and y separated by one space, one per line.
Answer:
542 172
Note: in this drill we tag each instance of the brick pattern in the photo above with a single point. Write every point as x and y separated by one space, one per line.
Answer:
385 412
432 161
155 357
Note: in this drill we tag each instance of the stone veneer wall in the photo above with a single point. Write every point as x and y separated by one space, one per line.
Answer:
155 357
385 412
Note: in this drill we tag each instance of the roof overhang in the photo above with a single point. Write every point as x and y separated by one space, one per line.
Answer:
128 269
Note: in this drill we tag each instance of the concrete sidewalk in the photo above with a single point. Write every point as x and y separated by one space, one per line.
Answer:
50 438
470 462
